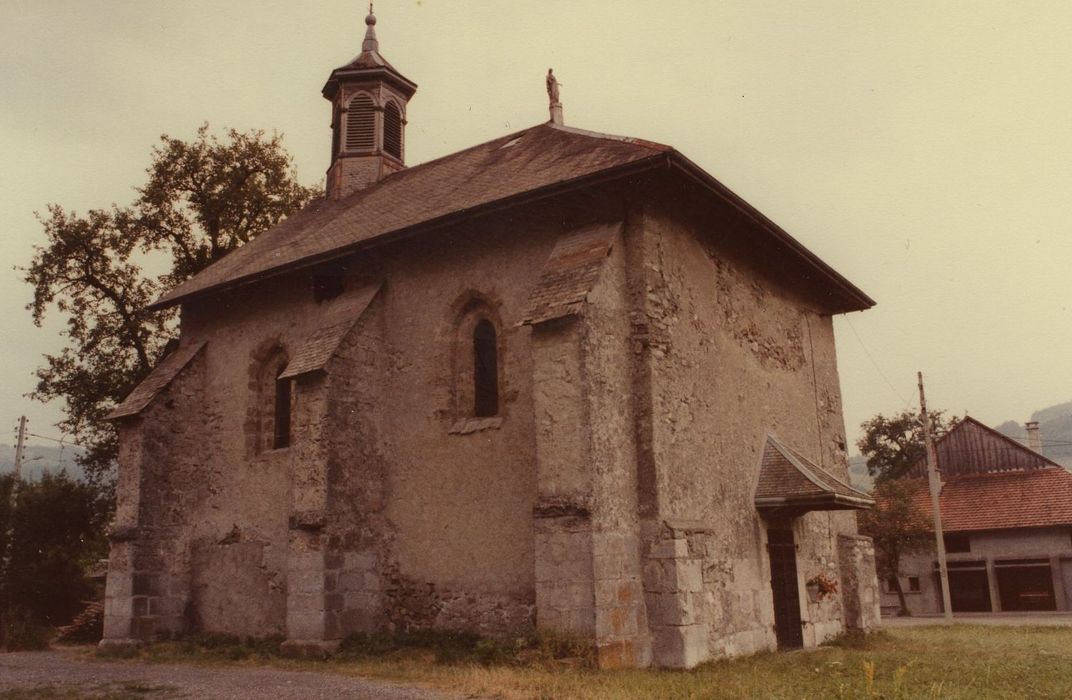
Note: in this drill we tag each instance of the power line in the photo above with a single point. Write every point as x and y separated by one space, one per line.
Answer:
877 368
62 441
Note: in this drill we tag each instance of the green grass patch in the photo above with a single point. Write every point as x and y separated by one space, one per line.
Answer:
960 662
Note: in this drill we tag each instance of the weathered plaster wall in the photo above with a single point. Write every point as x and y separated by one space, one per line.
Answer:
987 547
733 355
390 508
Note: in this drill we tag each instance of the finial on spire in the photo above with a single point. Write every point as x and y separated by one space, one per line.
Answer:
552 96
370 43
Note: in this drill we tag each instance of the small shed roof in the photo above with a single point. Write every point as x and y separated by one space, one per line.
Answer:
570 272
156 381
788 481
315 352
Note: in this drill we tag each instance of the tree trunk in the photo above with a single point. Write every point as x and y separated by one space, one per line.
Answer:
903 612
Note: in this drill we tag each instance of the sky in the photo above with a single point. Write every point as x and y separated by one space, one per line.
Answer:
923 149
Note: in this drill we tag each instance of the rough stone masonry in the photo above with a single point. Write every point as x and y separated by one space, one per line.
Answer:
530 385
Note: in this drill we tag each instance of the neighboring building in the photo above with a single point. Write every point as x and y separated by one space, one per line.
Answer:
532 383
1007 518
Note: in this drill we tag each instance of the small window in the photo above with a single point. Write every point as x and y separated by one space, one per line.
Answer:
392 130
360 124
485 370
957 544
270 414
891 584
281 433
913 584
326 286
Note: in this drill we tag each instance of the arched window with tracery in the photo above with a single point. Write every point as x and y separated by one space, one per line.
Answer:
392 130
485 370
361 123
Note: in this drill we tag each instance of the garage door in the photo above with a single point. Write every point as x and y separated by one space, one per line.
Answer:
969 590
1025 584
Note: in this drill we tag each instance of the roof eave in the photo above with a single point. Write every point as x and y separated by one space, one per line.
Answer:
821 501
856 300
404 84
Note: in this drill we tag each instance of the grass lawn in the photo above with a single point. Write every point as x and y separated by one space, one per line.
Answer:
962 661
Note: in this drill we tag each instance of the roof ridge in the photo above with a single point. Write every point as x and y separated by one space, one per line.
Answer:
611 137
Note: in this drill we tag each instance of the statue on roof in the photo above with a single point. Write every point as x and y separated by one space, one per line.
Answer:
552 87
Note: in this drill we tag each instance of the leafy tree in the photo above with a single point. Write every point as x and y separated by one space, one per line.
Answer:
202 199
893 445
47 540
898 527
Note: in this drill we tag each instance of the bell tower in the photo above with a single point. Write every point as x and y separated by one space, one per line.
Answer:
368 118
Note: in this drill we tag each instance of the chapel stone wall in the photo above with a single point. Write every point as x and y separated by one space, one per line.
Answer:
732 354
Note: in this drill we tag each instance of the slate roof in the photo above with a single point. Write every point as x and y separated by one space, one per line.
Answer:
1001 500
535 163
570 272
788 480
313 354
157 380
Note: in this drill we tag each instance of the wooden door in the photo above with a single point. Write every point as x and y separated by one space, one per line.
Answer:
783 560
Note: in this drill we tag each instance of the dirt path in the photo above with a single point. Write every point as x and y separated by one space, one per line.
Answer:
64 674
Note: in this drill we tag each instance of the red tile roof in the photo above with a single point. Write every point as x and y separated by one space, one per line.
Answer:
1001 500
527 165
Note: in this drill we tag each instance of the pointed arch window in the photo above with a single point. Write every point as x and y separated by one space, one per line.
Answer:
392 130
485 370
361 123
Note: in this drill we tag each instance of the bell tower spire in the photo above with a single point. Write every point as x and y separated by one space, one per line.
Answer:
370 43
368 118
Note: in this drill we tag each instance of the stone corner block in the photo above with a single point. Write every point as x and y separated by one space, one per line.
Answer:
680 647
118 644
309 648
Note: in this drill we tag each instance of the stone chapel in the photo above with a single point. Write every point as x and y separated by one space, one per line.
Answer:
560 380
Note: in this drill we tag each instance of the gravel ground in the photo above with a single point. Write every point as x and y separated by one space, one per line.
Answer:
63 674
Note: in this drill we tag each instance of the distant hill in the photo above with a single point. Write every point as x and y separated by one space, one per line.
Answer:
38 458
1055 431
858 475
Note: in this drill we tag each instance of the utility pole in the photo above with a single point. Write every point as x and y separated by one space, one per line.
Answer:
8 530
936 488
19 446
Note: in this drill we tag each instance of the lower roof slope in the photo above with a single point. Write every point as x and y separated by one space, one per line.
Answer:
1000 500
530 164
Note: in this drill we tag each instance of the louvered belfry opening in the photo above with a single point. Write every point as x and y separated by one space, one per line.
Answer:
369 98
361 124
392 130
